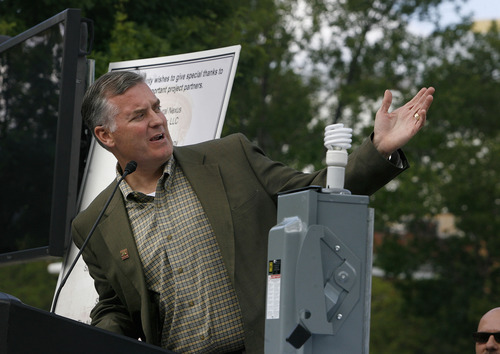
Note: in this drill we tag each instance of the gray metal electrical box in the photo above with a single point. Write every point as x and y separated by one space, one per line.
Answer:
319 274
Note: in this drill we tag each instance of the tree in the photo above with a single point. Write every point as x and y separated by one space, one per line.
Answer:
370 49
457 172
271 103
362 48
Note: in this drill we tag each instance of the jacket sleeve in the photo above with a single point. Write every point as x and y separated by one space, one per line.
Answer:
366 171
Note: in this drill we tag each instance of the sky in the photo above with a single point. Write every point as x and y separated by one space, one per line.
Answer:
480 10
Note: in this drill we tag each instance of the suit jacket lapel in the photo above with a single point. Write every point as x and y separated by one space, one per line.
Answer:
119 238
122 241
209 187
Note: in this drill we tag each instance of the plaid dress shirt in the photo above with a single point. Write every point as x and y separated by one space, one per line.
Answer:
183 267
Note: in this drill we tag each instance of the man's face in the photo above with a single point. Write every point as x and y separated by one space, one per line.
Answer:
490 323
141 132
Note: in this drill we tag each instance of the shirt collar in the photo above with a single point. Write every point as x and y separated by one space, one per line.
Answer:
128 193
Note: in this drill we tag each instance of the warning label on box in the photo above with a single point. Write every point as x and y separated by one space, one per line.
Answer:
273 289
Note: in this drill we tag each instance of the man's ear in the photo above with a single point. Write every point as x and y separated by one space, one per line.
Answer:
104 136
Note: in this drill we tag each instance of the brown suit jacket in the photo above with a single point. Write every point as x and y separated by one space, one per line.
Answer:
237 186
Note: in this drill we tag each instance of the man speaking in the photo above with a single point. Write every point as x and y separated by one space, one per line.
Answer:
179 257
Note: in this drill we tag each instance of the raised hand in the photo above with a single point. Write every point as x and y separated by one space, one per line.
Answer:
392 130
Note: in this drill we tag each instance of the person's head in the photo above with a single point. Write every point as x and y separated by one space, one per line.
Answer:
125 117
487 336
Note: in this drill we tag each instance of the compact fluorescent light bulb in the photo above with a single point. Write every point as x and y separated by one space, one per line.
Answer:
337 140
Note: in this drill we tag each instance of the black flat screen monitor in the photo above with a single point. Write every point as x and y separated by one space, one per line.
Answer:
42 82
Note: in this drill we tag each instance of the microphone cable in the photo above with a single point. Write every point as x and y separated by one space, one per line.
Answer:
130 168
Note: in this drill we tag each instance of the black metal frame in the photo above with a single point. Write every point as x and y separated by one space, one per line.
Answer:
78 38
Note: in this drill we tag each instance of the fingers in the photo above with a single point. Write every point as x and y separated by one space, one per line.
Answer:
420 118
411 103
423 105
424 98
429 98
386 102
420 104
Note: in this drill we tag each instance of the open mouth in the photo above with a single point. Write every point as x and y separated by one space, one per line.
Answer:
157 137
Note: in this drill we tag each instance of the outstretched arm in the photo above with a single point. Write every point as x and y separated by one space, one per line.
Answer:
392 130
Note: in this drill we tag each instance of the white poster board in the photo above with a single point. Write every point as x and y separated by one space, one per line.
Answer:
194 91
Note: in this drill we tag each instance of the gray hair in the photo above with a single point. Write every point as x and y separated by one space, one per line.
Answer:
96 108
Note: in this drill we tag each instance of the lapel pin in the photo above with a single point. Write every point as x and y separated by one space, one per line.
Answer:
124 254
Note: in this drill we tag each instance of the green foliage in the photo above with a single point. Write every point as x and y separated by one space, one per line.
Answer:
7 28
31 283
457 173
129 41
393 329
368 50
